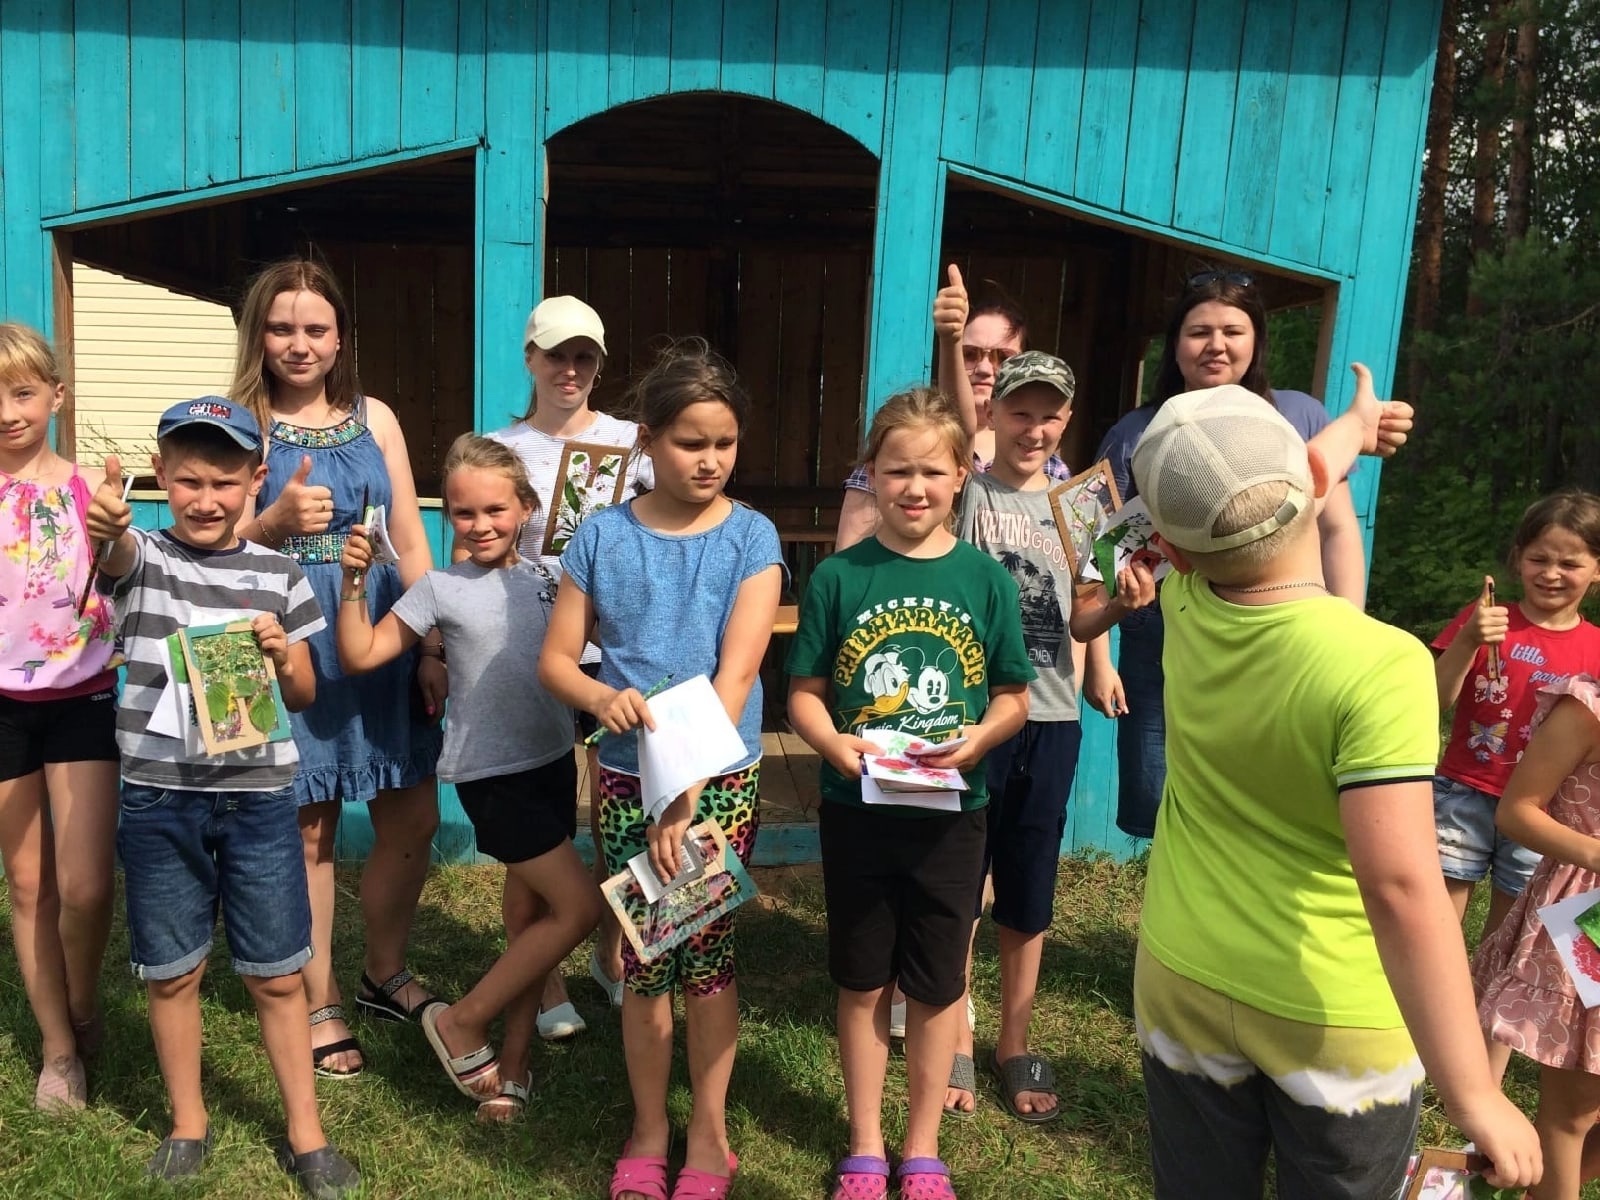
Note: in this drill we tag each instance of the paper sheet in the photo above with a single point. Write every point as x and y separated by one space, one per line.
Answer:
1578 954
943 800
173 715
693 740
377 524
691 867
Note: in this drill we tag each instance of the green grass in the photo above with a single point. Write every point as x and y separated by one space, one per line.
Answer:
413 1136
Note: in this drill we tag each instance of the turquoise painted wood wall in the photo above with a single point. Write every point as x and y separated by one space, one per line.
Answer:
1284 132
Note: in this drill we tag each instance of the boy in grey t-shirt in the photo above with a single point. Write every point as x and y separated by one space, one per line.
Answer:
1006 513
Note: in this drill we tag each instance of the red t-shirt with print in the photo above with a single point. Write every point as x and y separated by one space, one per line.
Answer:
1490 729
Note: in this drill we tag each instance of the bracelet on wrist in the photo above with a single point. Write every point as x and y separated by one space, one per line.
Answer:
353 597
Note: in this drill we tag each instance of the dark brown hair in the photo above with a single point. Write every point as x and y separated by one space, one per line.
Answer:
1235 289
252 383
686 372
995 301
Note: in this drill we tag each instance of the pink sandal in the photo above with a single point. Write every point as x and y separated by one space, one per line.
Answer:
925 1179
861 1177
694 1184
642 1174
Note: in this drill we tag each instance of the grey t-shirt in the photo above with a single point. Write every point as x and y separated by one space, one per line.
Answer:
1018 530
500 720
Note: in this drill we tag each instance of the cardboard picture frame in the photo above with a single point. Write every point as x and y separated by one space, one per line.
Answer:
1079 505
589 476
1441 1174
653 929
237 701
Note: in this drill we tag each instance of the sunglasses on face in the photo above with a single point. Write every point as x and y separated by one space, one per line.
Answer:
1238 278
973 355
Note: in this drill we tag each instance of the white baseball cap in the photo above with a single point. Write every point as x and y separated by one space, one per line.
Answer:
559 319
1205 448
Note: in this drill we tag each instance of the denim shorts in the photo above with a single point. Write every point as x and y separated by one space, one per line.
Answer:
1470 847
188 855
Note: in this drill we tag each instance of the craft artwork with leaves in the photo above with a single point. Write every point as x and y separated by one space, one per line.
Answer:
719 885
237 699
589 477
1439 1174
1080 507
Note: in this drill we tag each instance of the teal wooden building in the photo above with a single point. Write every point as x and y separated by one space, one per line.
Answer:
786 177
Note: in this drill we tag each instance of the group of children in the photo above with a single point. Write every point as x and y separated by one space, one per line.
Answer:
1299 967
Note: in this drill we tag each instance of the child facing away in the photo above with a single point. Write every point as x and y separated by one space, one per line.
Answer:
676 583
915 630
201 832
1006 513
507 749
58 704
1493 660
1527 999
1297 950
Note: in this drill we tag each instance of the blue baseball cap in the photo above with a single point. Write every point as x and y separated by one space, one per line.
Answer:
233 419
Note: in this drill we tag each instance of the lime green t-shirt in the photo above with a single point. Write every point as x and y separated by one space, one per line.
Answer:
1271 712
911 644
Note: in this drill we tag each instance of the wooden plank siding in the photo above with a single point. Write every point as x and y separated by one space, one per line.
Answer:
1285 134
140 349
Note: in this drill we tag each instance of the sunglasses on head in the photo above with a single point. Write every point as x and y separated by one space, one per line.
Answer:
973 355
1238 278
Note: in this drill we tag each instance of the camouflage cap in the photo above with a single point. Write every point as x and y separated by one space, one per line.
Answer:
1033 366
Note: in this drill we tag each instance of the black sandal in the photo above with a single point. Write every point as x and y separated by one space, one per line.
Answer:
321 1054
377 999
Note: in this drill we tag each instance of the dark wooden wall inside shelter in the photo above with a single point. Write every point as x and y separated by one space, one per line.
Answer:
748 224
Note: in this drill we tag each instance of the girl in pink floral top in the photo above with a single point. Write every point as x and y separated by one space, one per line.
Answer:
1527 1000
58 751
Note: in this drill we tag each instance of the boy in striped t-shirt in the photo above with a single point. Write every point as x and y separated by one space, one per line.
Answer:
197 832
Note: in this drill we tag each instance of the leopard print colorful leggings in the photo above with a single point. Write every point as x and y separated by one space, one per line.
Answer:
703 965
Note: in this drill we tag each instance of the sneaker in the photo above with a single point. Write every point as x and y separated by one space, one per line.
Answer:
897 1019
611 987
560 1023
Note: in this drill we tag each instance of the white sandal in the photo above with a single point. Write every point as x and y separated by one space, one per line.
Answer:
509 1104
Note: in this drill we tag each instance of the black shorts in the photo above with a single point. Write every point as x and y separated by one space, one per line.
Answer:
900 892
1030 778
36 732
586 722
521 816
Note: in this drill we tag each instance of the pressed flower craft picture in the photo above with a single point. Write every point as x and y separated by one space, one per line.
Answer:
588 478
1080 506
236 697
684 909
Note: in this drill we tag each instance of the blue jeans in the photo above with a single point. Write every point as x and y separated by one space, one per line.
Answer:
186 855
1142 731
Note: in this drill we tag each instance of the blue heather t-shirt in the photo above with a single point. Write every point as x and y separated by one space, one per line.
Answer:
661 603
1304 412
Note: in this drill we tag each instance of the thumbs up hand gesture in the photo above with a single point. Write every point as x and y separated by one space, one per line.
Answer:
109 515
950 307
303 507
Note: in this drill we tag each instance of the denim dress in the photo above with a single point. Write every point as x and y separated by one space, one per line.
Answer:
361 735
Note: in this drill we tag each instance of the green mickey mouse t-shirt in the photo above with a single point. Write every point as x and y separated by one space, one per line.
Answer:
909 643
